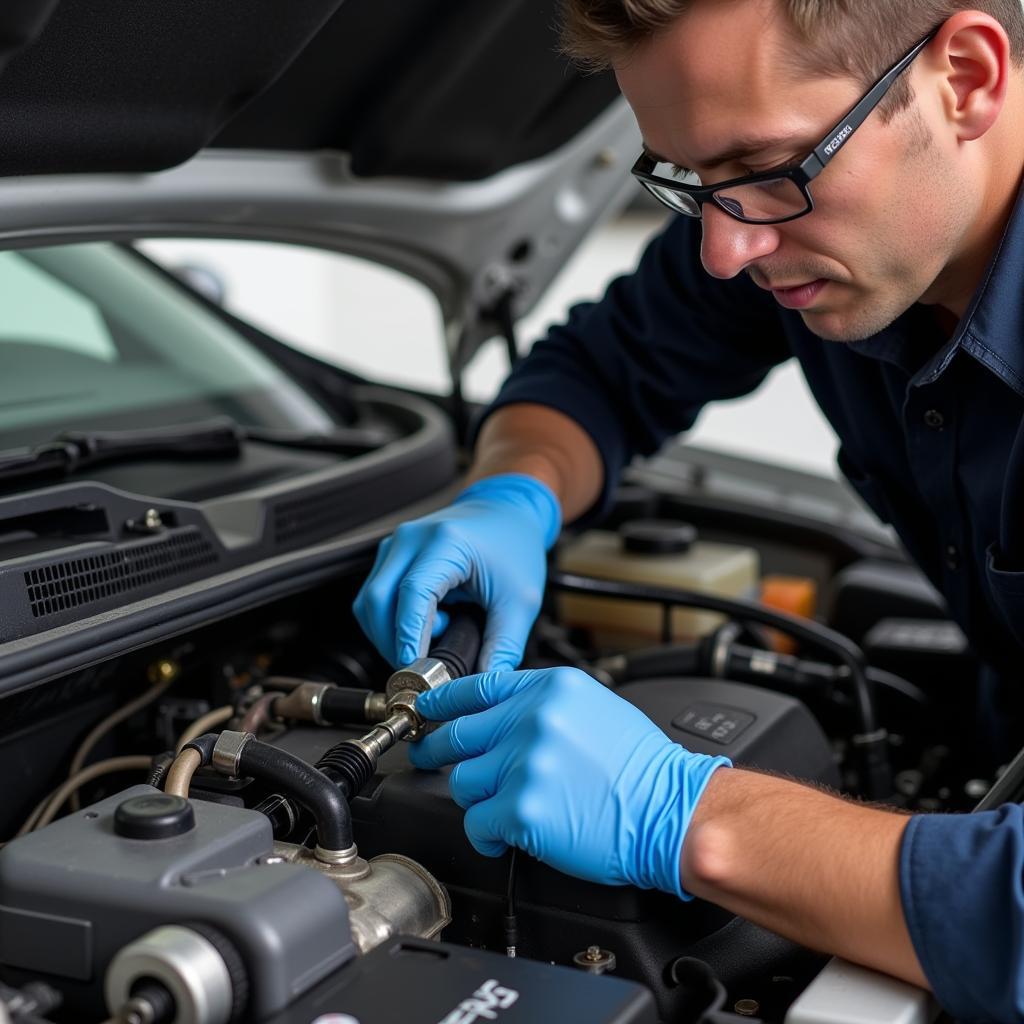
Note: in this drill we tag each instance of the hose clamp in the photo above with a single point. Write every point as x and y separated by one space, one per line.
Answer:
227 751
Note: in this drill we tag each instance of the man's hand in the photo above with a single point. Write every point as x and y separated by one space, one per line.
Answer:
552 762
487 547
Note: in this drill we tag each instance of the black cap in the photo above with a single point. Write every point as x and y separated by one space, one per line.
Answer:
657 536
156 816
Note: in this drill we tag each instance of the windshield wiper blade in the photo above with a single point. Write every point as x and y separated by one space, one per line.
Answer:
75 450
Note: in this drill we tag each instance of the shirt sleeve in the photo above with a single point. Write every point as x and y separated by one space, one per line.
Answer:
963 899
636 367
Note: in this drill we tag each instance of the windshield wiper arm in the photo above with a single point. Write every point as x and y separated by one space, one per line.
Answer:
75 450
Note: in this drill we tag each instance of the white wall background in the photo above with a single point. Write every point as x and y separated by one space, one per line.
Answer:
379 323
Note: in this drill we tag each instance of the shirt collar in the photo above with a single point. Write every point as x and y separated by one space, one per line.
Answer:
992 330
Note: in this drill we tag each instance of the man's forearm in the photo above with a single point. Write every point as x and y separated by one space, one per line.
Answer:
818 869
545 444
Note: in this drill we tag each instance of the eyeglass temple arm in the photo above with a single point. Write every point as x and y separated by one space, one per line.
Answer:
840 134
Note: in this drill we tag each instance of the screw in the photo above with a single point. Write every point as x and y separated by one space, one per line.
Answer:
747 1007
605 158
595 960
152 520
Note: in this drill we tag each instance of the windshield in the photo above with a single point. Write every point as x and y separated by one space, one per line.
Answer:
91 337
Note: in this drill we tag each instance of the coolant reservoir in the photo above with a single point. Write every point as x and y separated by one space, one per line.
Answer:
662 553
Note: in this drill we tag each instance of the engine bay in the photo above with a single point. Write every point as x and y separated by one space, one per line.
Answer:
225 825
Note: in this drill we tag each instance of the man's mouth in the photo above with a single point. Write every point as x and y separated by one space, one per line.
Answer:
799 296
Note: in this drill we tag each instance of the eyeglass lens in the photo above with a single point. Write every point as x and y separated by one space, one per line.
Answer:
759 202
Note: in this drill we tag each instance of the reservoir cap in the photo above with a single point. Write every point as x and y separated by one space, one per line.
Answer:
657 536
159 816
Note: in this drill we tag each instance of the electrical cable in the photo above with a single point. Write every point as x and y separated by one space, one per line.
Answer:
46 810
872 740
218 716
113 720
511 922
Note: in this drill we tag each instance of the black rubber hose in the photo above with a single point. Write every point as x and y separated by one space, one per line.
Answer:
872 741
653 662
345 764
305 785
344 704
203 745
459 646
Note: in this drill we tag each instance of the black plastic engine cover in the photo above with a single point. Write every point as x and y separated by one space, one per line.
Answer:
419 982
752 727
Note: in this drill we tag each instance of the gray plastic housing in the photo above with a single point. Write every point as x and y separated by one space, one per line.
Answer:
74 893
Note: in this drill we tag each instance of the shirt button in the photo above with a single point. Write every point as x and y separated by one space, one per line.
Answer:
953 556
934 419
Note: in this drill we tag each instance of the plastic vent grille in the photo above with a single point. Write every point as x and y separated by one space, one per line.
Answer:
75 582
311 517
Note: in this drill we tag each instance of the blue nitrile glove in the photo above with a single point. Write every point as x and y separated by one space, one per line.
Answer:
487 547
552 762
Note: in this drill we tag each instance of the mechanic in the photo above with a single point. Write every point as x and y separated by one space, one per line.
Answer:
899 291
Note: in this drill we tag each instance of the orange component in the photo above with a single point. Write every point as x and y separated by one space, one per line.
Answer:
796 595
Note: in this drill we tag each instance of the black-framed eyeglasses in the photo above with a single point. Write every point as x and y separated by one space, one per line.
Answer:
770 197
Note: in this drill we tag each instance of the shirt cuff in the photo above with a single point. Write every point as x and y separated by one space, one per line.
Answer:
962 889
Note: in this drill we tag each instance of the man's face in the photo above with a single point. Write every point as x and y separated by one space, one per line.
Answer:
889 212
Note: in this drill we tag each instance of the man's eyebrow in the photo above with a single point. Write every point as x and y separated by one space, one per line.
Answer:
744 147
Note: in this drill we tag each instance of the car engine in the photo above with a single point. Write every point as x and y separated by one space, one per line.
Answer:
225 826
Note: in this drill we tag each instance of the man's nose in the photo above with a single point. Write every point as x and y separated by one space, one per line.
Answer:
729 246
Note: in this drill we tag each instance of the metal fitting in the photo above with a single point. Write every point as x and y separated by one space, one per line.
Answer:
376 707
227 751
422 675
303 704
407 684
404 704
382 738
339 857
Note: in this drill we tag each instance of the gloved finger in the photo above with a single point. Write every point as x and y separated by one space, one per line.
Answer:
441 621
468 736
482 824
505 635
375 604
436 571
477 779
471 694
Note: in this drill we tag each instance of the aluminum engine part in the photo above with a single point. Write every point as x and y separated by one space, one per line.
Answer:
388 895
185 963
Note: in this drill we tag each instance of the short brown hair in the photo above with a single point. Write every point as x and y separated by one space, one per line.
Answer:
841 37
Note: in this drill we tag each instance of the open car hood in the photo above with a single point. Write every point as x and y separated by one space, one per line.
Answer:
447 138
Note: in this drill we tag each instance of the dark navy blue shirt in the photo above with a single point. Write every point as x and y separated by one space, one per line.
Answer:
930 433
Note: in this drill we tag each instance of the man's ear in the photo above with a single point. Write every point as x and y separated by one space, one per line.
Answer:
972 56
